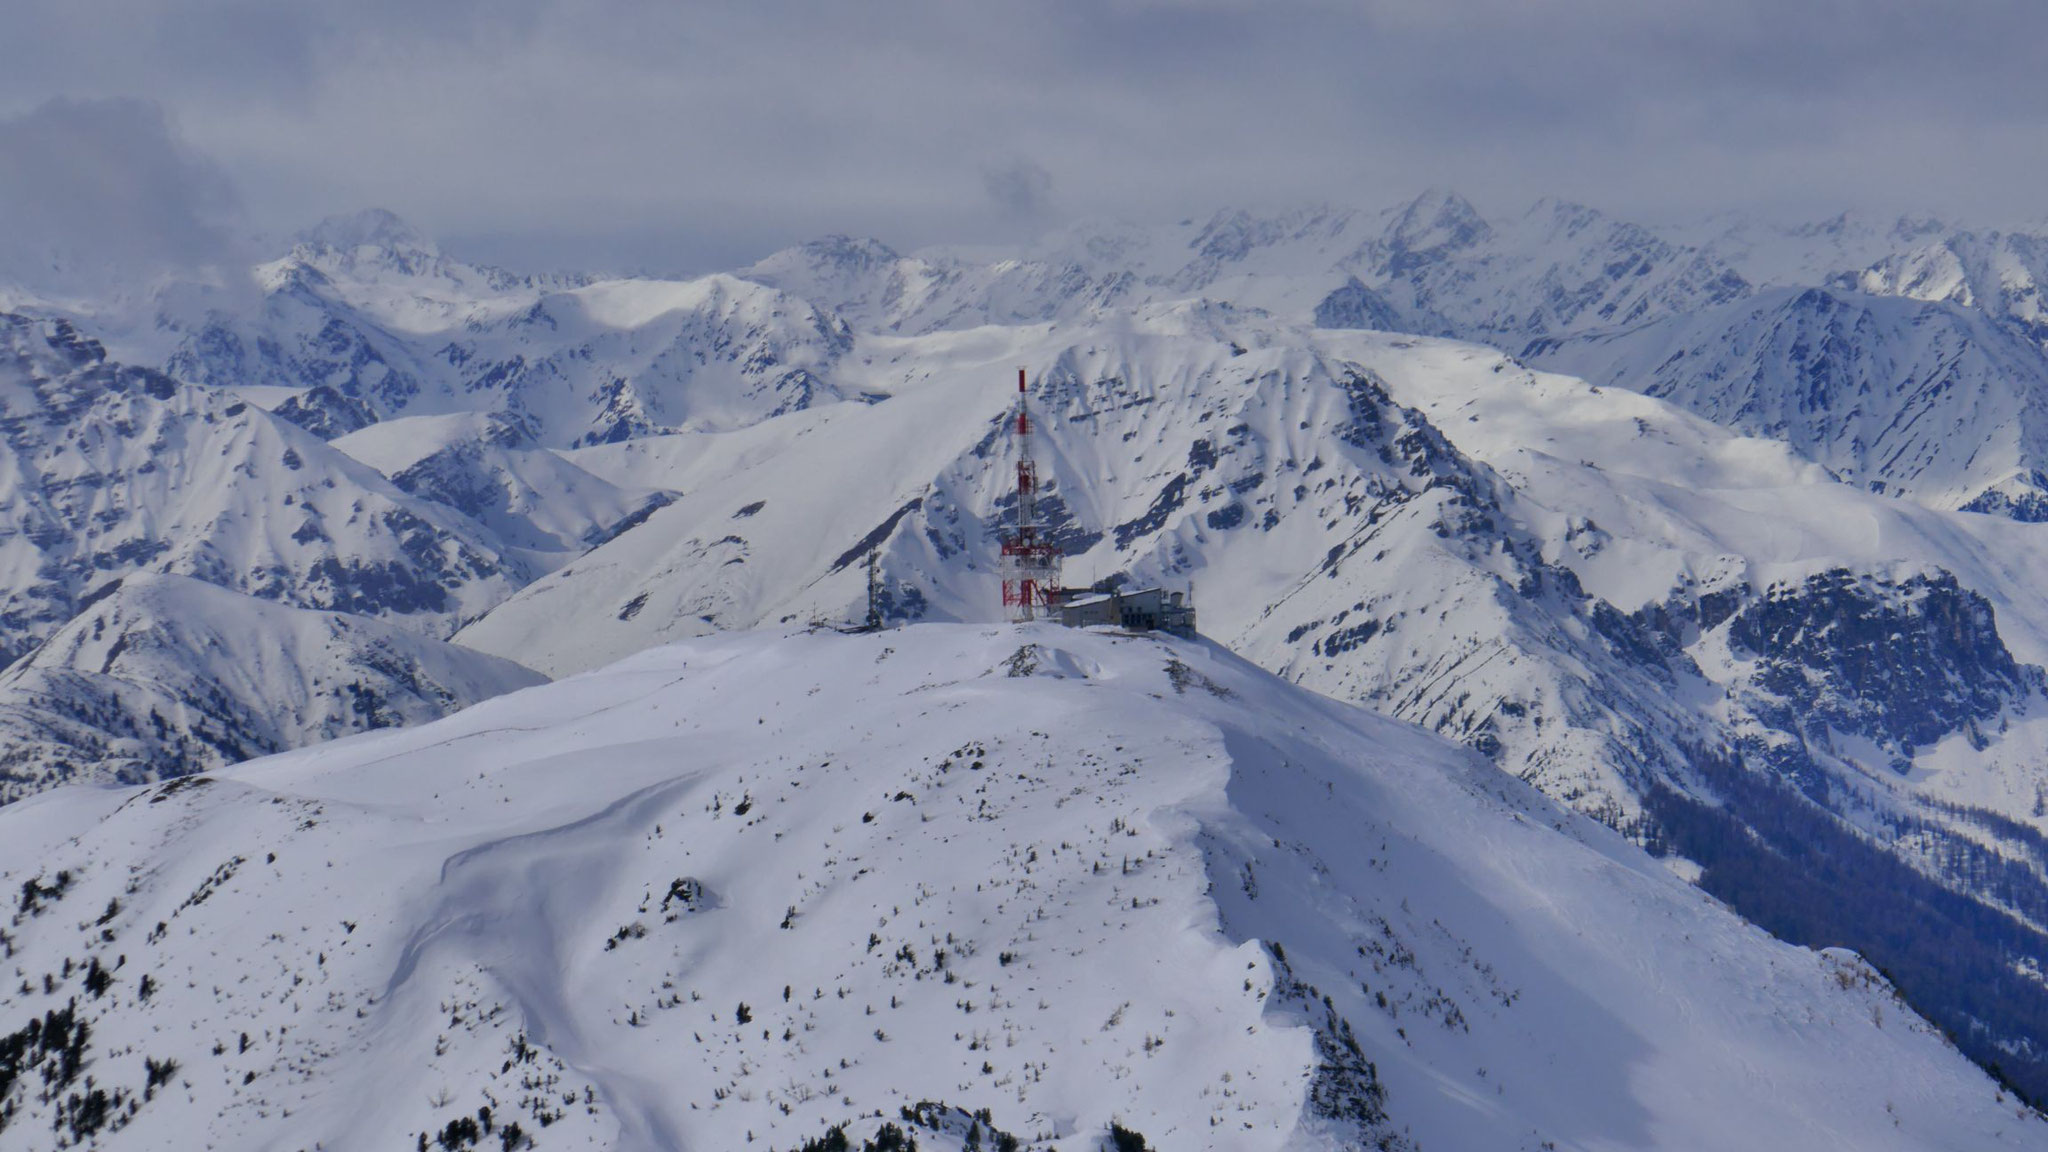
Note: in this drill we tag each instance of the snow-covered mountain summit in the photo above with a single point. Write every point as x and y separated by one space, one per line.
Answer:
982 883
1999 273
376 229
1684 623
347 336
1601 592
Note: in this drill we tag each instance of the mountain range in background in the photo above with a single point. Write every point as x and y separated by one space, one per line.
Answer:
1725 537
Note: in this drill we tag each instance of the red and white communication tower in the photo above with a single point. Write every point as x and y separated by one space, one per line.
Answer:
1031 563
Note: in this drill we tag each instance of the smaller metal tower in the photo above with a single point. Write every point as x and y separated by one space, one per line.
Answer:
1031 563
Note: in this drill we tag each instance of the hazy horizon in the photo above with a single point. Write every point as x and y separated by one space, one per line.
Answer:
603 134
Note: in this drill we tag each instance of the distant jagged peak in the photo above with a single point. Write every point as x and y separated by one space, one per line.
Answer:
721 297
1233 232
1568 216
1999 273
1092 242
839 248
1848 237
1436 222
1919 226
1935 271
377 228
375 258
376 243
1557 218
838 255
1836 225
1772 251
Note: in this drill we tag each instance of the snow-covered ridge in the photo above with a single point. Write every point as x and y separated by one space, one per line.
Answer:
743 889
1436 264
107 469
365 320
1936 401
162 676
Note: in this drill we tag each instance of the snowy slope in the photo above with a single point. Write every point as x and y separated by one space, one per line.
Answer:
1998 273
1803 254
489 468
1931 400
165 675
1287 485
107 469
736 891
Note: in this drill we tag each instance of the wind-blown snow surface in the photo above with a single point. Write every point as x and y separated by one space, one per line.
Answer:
730 892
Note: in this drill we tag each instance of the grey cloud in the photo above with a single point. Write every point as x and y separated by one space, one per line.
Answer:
721 126
90 188
1020 189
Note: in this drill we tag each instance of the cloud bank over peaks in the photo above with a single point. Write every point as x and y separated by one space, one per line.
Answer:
104 193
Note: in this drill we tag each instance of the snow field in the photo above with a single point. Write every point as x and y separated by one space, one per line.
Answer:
1066 877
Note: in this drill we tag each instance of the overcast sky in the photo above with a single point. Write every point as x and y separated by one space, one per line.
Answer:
680 136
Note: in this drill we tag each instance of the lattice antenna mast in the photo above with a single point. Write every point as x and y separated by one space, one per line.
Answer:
1031 563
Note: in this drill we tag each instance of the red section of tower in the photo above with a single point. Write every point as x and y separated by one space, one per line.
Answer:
1031 563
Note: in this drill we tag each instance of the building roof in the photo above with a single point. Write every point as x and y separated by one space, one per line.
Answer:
1081 601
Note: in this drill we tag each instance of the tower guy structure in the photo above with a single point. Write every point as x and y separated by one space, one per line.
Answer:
1031 563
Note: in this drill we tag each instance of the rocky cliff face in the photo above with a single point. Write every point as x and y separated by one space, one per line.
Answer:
1901 664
